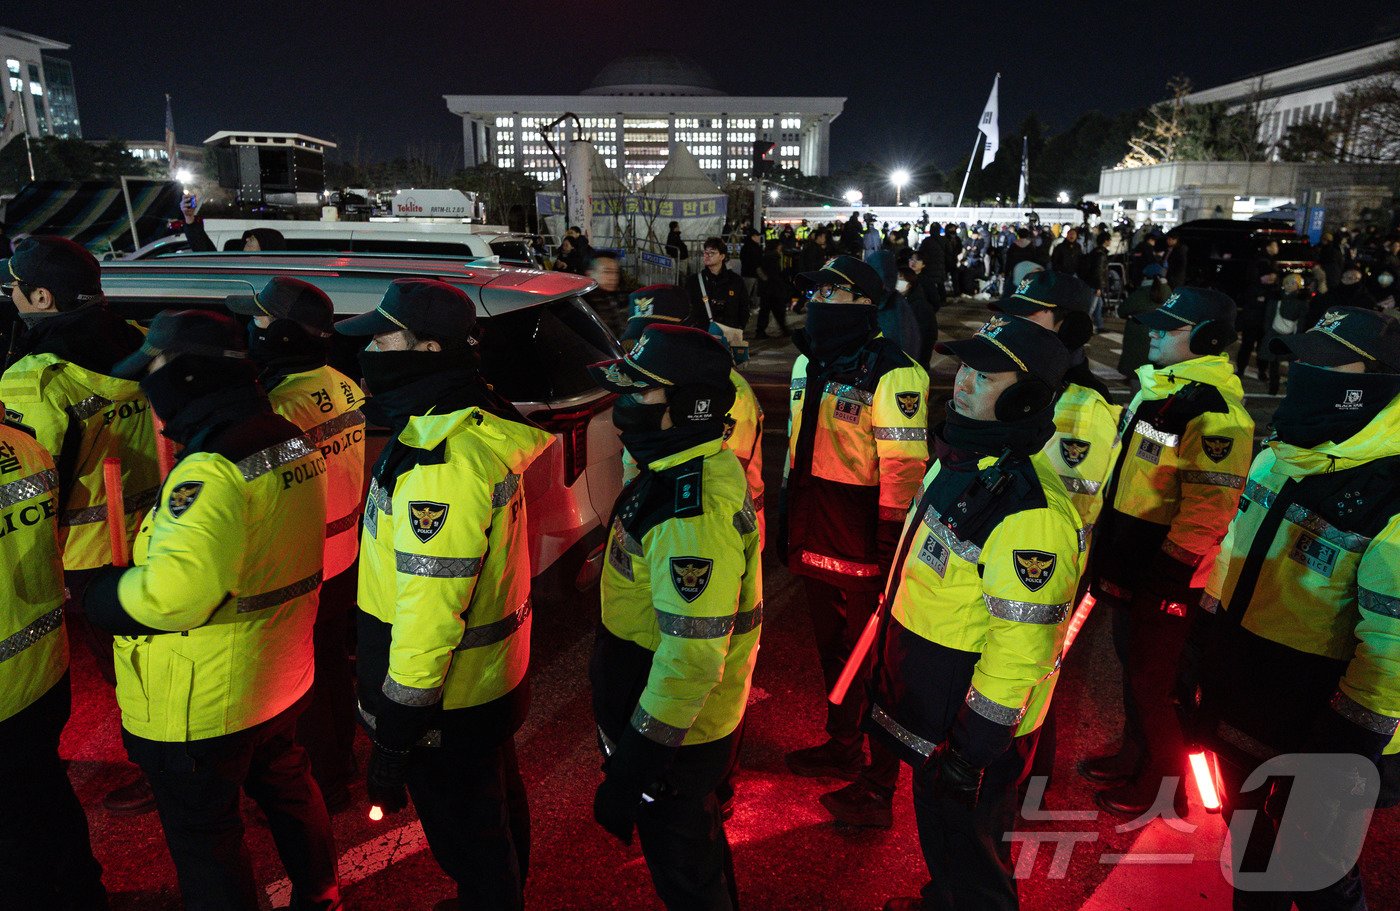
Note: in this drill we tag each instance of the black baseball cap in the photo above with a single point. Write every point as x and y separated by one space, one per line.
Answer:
667 355
1056 291
1190 307
1345 335
1005 343
66 268
655 304
849 271
288 298
424 306
177 332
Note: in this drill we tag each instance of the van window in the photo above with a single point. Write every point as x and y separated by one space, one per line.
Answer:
512 251
313 244
418 247
540 354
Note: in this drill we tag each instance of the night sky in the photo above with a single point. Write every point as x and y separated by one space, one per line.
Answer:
915 74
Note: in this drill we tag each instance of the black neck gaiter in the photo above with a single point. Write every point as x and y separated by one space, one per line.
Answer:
834 330
1324 406
992 438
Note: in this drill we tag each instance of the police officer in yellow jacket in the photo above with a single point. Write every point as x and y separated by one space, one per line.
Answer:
1305 601
45 854
743 425
1186 441
214 620
977 606
682 595
62 386
444 625
857 447
288 340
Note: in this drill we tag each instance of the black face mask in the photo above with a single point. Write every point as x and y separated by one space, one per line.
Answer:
837 329
1329 406
194 397
386 371
283 340
632 416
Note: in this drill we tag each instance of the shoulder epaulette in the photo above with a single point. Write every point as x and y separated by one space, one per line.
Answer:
1198 398
24 385
688 481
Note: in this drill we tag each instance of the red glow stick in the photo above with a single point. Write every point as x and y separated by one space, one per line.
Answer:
116 510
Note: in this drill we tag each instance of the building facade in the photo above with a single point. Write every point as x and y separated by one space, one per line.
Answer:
636 110
1301 92
37 91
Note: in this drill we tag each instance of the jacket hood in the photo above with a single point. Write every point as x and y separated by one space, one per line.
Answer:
1213 369
517 445
1377 440
882 261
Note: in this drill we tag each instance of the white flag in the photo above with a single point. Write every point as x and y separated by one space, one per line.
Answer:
1025 172
988 126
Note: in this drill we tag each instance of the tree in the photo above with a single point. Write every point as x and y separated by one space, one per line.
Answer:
502 192
57 158
1313 140
1368 115
1177 130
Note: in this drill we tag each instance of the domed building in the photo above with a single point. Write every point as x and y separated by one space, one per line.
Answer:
635 110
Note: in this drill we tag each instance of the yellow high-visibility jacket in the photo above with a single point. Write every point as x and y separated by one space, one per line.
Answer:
226 583
1307 590
325 403
80 418
1083 450
682 594
445 559
33 642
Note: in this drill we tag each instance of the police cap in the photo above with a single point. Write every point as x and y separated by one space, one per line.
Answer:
1006 344
848 271
667 355
184 332
1190 307
66 269
656 304
424 306
1056 291
1346 335
288 298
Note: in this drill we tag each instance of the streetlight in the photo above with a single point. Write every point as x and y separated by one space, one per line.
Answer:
899 178
185 176
1063 198
854 196
773 195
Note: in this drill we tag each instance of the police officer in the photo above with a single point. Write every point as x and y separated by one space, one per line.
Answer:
1304 658
743 425
444 625
292 323
1186 444
62 386
1083 449
682 595
857 446
214 622
45 854
977 607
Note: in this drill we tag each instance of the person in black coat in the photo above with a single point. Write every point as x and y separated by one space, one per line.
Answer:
1176 259
1068 255
716 291
1258 300
774 291
914 284
932 270
750 256
674 245
1022 250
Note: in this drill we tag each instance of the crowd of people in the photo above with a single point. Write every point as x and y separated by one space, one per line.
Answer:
1254 598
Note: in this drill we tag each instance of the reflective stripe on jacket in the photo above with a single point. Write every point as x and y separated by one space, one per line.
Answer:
227 564
33 642
445 559
857 464
80 418
1082 453
325 403
682 596
1317 623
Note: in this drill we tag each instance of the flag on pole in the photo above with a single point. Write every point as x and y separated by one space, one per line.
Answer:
1025 172
169 136
988 125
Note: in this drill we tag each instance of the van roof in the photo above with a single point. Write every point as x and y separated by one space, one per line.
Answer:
355 281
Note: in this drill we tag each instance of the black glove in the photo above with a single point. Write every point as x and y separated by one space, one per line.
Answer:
1170 579
384 781
96 591
887 534
1189 674
634 768
949 776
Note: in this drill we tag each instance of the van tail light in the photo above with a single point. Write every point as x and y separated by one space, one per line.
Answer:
572 427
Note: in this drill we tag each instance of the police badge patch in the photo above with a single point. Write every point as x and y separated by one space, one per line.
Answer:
908 403
1034 567
1217 448
183 497
690 576
427 518
1073 451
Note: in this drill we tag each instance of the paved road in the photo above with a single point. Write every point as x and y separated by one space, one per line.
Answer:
788 853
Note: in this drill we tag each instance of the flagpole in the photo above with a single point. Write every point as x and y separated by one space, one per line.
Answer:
980 140
28 149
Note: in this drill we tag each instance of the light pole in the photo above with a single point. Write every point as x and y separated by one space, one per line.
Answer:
899 178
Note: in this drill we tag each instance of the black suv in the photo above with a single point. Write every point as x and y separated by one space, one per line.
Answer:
1220 252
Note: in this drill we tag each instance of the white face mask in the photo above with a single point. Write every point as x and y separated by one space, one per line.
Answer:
901 286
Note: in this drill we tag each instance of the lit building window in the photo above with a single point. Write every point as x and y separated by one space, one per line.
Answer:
505 121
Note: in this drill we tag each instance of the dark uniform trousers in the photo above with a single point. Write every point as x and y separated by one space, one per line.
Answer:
682 833
326 730
197 785
45 855
968 856
838 617
1149 642
1344 895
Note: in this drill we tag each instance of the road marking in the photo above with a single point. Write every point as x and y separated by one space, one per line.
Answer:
364 860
